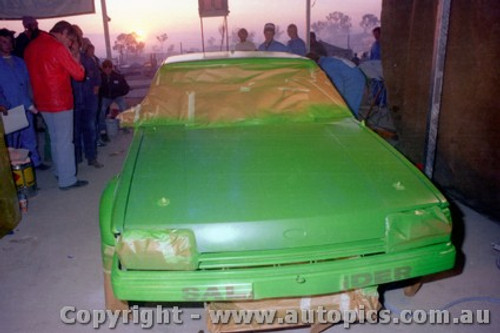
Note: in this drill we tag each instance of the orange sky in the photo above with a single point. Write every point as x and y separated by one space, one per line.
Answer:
180 20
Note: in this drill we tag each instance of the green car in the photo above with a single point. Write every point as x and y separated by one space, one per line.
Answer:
249 178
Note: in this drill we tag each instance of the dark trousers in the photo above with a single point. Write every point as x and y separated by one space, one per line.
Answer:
86 127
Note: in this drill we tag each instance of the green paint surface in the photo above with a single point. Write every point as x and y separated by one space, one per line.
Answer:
279 205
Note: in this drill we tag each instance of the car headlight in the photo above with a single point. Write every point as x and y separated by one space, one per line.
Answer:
170 249
417 228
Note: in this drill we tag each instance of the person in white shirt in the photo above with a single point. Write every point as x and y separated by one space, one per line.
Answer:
244 44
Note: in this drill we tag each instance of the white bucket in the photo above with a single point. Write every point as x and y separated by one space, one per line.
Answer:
112 127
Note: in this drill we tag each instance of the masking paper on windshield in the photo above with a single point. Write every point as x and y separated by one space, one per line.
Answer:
252 90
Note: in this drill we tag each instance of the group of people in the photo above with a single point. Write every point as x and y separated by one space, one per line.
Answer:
344 74
57 75
295 45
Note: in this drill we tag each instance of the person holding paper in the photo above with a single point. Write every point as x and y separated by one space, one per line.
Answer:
15 84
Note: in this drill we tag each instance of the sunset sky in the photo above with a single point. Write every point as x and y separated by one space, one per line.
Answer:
180 20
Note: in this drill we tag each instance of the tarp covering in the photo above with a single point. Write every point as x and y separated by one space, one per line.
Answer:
16 9
252 90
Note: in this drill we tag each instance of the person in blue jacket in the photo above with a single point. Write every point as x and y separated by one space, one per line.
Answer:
295 44
375 52
269 43
15 83
347 78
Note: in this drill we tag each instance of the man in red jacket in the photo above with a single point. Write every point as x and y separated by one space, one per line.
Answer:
50 66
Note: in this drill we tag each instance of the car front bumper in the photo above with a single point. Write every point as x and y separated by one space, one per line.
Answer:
295 280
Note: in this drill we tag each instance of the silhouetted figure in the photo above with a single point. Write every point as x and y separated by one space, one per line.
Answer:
31 31
295 44
315 46
375 52
356 59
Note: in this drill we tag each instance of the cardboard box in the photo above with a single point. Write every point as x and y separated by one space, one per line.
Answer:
319 312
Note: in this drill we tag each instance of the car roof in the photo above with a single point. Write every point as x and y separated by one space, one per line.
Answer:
229 55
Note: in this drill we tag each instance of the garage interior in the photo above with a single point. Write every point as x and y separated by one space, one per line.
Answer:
52 258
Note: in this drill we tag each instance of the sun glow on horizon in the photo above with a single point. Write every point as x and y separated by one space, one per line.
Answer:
181 22
141 34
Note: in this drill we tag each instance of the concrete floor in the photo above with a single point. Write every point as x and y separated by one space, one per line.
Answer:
53 260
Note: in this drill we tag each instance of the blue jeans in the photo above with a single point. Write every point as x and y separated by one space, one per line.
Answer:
60 126
105 103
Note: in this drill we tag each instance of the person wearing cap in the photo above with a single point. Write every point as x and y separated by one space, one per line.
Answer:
244 44
269 43
295 44
50 66
31 31
15 83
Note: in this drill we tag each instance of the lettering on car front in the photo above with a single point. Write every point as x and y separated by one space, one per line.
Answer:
216 293
349 281
377 277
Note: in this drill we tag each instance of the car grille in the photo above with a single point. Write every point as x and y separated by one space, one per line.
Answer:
293 256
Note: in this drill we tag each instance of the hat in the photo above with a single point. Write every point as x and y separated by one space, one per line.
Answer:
27 20
269 26
6 33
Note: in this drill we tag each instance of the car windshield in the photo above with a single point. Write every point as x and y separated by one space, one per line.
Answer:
250 90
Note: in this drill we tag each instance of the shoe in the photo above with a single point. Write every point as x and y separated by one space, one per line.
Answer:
95 164
42 167
104 137
78 183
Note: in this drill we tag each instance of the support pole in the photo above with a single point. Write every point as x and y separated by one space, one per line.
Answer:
227 33
202 35
437 76
105 20
308 24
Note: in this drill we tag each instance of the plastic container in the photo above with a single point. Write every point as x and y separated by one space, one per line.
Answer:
112 127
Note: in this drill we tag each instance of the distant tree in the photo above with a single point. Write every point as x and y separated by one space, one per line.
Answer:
368 22
162 39
278 32
336 23
127 44
318 27
171 49
211 41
